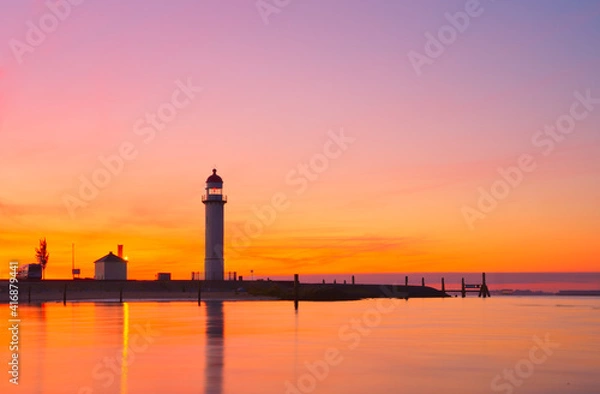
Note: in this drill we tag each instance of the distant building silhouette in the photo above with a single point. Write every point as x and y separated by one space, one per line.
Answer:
110 267
214 201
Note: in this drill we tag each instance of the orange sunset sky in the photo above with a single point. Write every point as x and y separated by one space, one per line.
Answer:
483 158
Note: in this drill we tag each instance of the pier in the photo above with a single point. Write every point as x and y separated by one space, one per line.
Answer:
480 288
198 290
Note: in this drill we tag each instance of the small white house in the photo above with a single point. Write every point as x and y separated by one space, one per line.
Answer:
110 267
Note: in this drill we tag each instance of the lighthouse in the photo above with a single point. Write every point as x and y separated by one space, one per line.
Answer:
214 201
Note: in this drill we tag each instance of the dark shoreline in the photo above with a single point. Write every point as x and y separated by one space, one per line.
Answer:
82 290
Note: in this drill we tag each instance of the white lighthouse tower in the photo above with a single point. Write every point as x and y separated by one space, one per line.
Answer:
214 200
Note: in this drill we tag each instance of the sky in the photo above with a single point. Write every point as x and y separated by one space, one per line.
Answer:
352 136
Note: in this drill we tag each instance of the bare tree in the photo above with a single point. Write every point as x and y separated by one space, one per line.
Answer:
42 256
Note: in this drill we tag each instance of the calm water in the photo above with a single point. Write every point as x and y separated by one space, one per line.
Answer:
370 346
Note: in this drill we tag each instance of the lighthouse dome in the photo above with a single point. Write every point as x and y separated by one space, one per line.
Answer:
214 178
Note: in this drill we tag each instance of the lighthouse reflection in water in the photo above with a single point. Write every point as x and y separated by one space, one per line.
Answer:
214 347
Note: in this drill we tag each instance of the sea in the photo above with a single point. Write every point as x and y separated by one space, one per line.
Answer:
502 344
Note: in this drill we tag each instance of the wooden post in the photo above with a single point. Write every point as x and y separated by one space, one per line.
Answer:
406 280
463 292
121 295
423 282
484 291
65 295
443 285
199 293
296 291
352 279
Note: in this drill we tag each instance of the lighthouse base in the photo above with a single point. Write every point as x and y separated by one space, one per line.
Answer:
214 269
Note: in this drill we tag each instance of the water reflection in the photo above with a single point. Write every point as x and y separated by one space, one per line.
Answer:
100 348
214 347
125 355
38 312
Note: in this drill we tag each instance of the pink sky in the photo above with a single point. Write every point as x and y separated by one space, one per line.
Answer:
392 201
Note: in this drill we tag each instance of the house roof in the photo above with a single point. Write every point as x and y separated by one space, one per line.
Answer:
110 258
